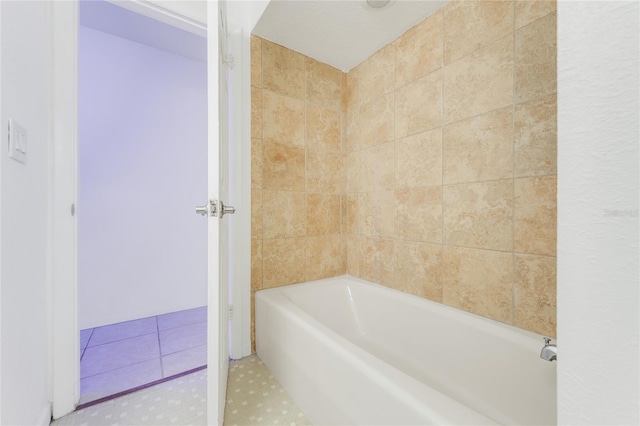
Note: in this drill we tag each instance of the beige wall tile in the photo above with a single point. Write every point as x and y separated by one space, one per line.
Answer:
324 257
256 113
353 131
535 215
535 60
353 255
323 214
470 25
478 281
374 77
282 119
536 137
343 217
375 124
352 219
418 214
284 214
376 261
528 11
283 167
344 94
535 294
322 128
256 163
283 262
417 269
256 214
418 105
353 88
419 50
256 265
353 168
323 171
419 160
377 168
343 174
479 215
376 213
323 84
256 61
479 148
480 82
282 70
376 183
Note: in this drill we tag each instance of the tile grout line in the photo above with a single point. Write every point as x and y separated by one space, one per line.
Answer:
442 142
86 345
513 172
159 348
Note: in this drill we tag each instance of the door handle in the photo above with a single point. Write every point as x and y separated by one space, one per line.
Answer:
226 209
210 209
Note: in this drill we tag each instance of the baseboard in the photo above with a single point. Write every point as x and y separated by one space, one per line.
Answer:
45 416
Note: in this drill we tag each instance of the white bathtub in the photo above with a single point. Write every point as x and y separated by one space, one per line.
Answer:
352 352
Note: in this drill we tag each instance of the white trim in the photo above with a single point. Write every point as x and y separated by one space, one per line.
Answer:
216 294
65 340
0 220
164 14
240 193
45 416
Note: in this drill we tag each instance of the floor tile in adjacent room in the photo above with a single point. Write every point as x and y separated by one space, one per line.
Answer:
115 381
84 337
99 359
185 337
186 360
182 318
123 330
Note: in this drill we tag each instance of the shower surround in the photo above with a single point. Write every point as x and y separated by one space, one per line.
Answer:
429 168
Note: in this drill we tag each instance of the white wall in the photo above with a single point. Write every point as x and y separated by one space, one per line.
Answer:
142 171
598 201
242 17
24 190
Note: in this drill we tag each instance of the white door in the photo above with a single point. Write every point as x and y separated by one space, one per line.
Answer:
64 343
218 215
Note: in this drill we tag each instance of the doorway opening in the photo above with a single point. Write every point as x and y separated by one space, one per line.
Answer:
142 167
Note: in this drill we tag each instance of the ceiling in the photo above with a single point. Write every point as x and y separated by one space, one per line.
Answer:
110 18
341 33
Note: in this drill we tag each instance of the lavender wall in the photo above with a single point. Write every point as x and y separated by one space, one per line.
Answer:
142 170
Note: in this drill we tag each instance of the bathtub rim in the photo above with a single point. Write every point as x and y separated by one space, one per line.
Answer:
476 321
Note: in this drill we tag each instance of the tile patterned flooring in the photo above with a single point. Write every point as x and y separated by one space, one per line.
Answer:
123 356
182 401
254 397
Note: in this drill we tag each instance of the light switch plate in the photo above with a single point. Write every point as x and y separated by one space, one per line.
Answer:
17 142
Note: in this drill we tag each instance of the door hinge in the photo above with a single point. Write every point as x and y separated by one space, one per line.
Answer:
230 311
73 209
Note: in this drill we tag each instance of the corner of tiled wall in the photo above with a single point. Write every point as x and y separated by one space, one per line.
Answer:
297 168
429 168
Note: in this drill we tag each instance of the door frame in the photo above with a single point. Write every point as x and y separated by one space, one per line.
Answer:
63 339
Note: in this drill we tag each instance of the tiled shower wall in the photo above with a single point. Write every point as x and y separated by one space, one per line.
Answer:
297 177
450 158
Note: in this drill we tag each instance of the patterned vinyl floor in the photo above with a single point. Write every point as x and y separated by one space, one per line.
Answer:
182 401
254 397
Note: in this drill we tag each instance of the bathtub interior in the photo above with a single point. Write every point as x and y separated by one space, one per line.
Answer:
488 366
